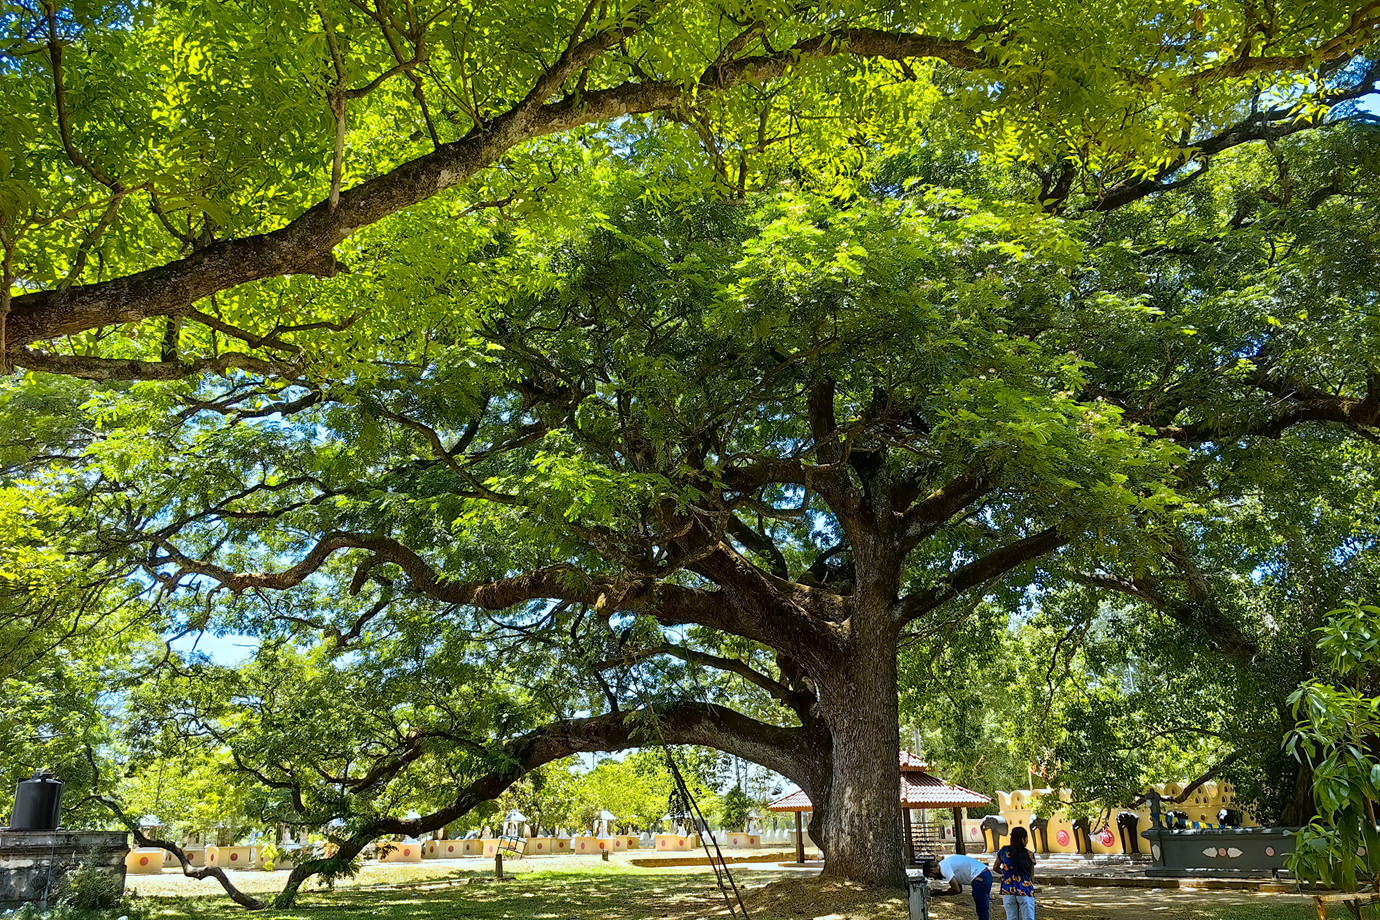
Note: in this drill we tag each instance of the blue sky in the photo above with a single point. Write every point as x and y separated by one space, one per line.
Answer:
223 649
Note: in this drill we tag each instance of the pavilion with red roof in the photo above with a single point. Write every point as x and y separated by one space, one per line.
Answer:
920 789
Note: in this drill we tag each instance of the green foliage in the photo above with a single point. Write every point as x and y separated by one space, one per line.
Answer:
551 796
736 807
590 365
194 793
91 888
1335 736
638 789
188 122
269 855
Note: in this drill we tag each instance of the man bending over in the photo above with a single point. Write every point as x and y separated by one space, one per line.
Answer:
964 870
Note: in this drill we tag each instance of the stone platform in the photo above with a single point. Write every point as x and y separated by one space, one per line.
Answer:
33 864
1066 869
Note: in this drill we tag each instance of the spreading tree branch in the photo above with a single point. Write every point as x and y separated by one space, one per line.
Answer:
730 609
794 699
89 368
244 900
982 570
305 245
793 752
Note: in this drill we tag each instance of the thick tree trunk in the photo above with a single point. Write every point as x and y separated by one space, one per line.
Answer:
859 819
1298 807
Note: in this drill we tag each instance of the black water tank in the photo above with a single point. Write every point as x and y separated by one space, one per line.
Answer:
37 803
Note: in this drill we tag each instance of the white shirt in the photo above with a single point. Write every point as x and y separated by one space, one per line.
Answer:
961 869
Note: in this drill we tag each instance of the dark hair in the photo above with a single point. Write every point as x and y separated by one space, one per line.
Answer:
1022 860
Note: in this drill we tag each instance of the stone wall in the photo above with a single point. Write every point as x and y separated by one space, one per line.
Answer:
1218 852
26 858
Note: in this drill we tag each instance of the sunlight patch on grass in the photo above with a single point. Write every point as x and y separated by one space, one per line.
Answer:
618 892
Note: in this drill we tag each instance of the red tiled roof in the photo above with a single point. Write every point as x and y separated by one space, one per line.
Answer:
919 789
909 760
795 801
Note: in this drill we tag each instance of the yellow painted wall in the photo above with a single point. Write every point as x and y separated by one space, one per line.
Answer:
1202 806
402 851
238 857
674 842
144 860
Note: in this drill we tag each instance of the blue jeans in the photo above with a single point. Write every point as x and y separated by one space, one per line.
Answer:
982 894
1019 906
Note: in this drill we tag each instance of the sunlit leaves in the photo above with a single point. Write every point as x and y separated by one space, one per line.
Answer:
1334 736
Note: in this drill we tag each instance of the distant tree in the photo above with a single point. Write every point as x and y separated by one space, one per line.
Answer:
736 808
550 796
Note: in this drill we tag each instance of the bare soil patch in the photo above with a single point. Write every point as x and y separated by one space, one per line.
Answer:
818 899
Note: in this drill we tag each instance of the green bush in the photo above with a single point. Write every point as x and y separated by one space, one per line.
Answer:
1336 722
86 893
91 888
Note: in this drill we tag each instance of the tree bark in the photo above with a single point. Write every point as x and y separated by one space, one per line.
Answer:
1298 807
857 820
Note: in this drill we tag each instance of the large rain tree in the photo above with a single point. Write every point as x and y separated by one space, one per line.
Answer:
730 389
773 439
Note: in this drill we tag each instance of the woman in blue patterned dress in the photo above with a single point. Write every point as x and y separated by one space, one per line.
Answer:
1015 864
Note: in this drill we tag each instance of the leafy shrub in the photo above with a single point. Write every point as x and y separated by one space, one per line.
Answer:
1337 723
91 888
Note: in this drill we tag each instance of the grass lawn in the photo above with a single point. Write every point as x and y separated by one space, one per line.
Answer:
616 891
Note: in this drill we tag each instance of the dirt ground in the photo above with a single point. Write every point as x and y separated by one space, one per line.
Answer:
796 899
580 887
